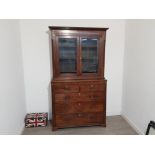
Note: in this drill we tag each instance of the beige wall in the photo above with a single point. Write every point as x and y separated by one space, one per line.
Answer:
139 73
12 95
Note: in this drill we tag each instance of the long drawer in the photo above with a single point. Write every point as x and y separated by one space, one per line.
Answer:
65 87
79 119
78 97
74 107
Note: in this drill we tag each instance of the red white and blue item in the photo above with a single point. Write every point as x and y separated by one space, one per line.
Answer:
36 120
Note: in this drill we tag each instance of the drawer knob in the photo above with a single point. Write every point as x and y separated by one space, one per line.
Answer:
66 88
92 97
92 86
79 115
67 98
79 104
79 94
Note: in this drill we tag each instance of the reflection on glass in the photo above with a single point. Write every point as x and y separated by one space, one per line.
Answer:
67 49
89 55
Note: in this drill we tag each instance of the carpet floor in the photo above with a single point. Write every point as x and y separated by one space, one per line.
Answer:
116 125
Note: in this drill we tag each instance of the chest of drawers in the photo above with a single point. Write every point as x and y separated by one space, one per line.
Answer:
78 103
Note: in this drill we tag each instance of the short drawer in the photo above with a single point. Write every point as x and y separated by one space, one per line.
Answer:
65 87
79 119
80 107
92 86
65 97
92 96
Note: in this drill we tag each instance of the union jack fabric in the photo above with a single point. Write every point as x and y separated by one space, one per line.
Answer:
36 120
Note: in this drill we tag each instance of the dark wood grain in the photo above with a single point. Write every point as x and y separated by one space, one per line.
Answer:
66 87
67 107
79 119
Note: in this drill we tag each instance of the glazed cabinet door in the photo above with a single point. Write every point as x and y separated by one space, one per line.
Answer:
90 55
66 55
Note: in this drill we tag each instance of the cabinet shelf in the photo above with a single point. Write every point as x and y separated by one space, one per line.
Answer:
76 46
65 46
66 59
89 46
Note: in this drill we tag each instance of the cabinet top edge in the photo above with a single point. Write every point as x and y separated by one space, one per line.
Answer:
77 28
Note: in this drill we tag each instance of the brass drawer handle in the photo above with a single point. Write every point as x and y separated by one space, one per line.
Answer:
91 86
93 97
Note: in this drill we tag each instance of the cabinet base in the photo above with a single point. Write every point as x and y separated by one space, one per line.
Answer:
56 128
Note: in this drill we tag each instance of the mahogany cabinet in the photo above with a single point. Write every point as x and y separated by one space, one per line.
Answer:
78 84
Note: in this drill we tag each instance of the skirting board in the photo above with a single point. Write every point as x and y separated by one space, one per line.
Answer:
132 125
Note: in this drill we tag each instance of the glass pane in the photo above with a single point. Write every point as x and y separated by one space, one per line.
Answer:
67 49
89 55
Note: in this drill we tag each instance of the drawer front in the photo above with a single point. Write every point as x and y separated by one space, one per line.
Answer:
66 87
79 97
79 119
79 107
65 97
92 86
91 96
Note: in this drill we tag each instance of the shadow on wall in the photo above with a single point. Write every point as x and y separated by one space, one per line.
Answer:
51 73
